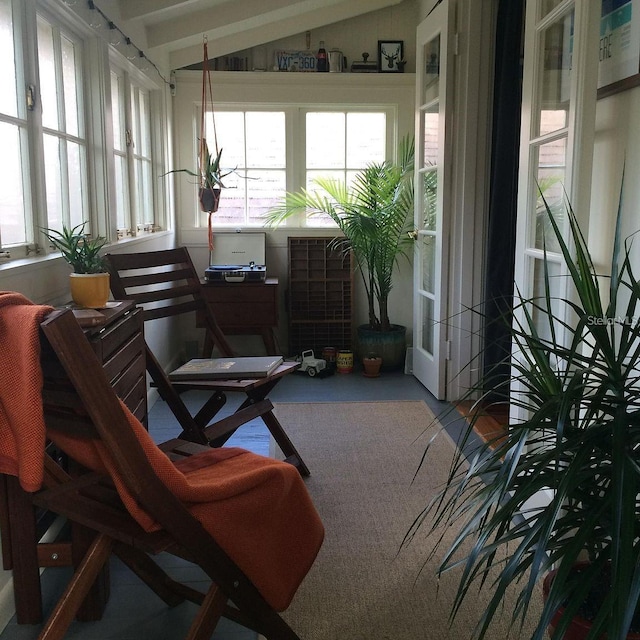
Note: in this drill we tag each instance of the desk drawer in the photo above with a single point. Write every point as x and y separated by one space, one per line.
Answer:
113 337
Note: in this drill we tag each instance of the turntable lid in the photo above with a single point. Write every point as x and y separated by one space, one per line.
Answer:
233 249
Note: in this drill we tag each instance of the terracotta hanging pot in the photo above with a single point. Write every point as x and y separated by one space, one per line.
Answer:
209 199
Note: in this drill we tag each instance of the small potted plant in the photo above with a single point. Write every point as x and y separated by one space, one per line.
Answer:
371 363
89 282
210 176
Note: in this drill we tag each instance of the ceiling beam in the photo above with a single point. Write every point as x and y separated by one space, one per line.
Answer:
234 26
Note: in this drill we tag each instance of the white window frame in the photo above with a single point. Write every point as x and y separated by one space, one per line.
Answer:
295 131
99 192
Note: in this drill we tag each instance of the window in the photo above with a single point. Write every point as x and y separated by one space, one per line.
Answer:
64 139
339 144
132 154
255 148
61 164
15 208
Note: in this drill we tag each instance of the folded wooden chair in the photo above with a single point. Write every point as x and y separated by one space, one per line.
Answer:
165 283
245 519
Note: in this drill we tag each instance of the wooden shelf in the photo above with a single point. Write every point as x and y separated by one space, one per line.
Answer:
320 300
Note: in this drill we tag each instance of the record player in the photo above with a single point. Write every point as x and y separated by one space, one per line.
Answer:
237 257
236 273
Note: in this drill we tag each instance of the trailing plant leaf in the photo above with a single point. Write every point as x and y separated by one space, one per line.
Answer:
577 386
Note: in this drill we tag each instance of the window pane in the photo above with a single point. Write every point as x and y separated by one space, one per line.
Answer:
551 175
53 181
8 102
555 76
264 190
366 136
144 137
47 66
117 112
253 145
12 202
339 146
76 169
325 140
143 191
70 87
122 192
265 140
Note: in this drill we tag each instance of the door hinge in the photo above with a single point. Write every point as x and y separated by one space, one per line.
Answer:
456 44
448 350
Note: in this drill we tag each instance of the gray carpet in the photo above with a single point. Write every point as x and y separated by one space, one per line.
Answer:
363 586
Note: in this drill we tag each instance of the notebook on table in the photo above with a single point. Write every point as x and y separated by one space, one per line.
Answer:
227 368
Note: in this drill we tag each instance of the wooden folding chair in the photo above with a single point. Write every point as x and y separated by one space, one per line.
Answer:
205 505
167 285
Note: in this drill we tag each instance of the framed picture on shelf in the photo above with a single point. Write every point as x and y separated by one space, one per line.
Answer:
391 56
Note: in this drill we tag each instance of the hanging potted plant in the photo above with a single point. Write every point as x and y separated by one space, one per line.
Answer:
576 386
374 214
89 282
209 175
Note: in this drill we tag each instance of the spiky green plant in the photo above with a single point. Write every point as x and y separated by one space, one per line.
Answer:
210 174
80 250
374 214
578 388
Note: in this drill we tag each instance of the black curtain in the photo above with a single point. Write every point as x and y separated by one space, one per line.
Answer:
503 191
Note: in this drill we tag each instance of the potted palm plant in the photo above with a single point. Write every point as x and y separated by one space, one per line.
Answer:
575 384
374 214
89 282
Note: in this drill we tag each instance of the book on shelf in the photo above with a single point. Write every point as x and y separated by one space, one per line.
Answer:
89 317
227 368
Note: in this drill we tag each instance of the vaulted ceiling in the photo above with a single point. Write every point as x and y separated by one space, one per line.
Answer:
175 28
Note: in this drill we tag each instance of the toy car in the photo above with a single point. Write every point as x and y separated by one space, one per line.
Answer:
309 364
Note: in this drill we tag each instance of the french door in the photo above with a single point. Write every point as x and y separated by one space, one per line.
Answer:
556 146
432 189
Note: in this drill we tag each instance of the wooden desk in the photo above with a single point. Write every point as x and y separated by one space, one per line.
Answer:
119 345
244 308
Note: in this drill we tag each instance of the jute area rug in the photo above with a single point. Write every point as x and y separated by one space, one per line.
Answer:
364 585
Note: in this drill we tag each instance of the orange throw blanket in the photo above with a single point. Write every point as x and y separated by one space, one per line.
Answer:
22 430
257 508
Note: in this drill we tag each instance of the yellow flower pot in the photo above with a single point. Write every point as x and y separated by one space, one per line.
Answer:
89 290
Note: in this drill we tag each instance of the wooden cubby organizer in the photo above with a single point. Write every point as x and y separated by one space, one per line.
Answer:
320 296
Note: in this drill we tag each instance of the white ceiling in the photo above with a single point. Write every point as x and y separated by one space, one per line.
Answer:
175 28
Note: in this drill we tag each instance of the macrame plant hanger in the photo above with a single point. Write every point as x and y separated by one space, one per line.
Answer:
207 99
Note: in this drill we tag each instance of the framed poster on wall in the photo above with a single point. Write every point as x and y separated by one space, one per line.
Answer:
619 46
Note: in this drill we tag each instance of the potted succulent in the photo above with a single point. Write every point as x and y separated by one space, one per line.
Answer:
210 175
89 282
576 438
374 214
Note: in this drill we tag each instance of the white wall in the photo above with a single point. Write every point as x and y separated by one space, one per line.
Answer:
617 149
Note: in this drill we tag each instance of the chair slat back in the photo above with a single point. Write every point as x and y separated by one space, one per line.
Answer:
165 284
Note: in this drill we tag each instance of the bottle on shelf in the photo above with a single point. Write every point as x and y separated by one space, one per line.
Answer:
322 62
